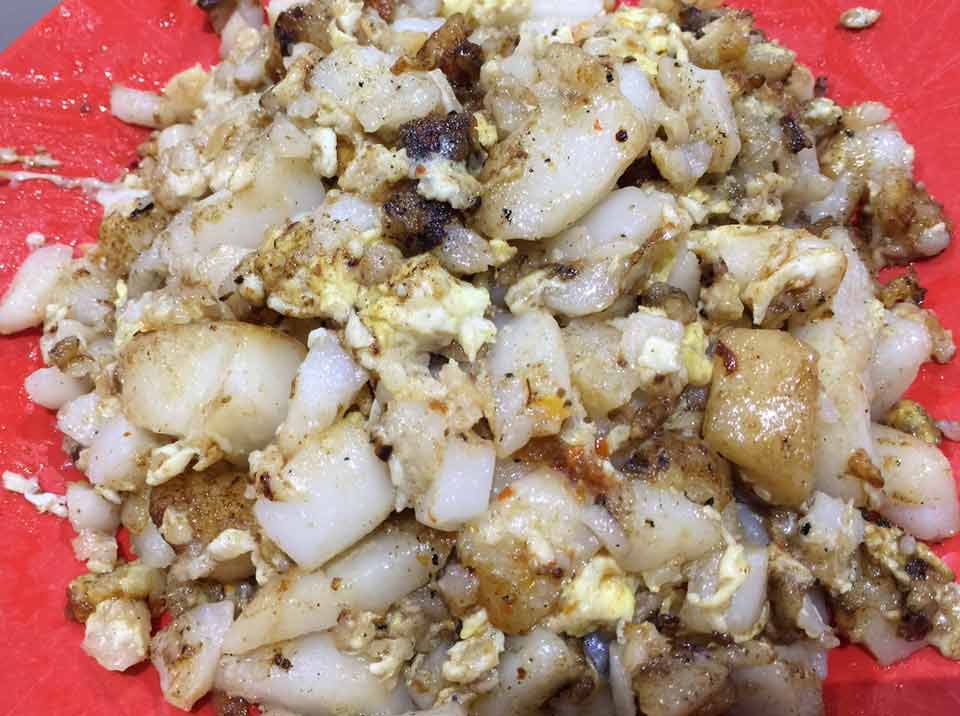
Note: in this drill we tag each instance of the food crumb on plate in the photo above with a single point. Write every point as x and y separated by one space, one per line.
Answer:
859 18
29 487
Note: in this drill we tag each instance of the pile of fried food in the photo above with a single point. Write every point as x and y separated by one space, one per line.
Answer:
500 357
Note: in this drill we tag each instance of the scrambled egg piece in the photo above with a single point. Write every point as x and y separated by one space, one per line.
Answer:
230 544
311 268
486 131
651 342
822 113
502 251
423 307
694 351
447 181
168 461
118 633
599 596
731 574
488 12
97 549
476 653
642 33
769 261
324 143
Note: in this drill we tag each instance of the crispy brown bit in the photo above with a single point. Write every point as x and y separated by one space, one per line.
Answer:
876 518
675 303
274 66
728 357
693 19
387 9
211 502
127 581
711 271
182 597
564 272
304 23
643 170
694 397
908 416
218 11
65 351
916 568
821 86
231 705
793 134
943 347
282 662
646 417
900 215
666 623
572 460
449 51
905 288
415 223
670 459
860 466
123 237
914 626
448 137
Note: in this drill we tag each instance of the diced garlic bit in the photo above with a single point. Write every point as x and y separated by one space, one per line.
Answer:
175 527
230 544
118 633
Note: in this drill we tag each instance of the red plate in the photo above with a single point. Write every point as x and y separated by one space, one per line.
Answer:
54 90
